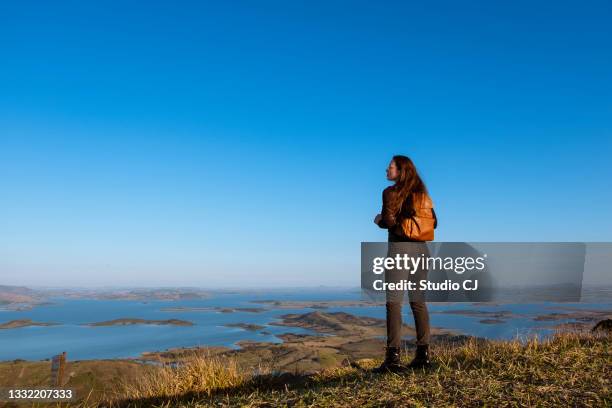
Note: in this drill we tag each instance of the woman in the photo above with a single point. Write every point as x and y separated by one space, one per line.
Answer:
398 204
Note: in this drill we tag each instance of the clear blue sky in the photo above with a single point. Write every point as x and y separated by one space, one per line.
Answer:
245 143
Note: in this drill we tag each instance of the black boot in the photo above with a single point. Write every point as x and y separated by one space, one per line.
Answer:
421 357
392 361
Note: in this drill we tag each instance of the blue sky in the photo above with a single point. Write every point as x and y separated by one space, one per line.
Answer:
245 143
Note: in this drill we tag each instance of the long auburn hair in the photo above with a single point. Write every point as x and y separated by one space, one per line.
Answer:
407 184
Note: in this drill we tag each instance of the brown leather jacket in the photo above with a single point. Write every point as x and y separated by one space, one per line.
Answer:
391 216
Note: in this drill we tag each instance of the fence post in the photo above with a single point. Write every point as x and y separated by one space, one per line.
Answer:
58 367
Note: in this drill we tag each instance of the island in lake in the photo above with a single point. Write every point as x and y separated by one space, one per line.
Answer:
246 326
129 321
15 324
575 318
298 304
216 309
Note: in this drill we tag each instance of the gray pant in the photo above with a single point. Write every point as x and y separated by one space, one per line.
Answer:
395 298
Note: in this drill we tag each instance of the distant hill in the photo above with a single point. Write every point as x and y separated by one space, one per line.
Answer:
15 289
22 297
18 294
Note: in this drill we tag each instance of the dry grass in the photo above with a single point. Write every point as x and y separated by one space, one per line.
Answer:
568 369
200 375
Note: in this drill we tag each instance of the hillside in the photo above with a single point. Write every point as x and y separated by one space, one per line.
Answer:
17 295
570 369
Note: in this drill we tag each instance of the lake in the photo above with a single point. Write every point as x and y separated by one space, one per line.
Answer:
86 342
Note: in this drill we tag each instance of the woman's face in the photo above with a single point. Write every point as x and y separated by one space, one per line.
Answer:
392 171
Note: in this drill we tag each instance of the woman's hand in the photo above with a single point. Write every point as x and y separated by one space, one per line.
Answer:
377 219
